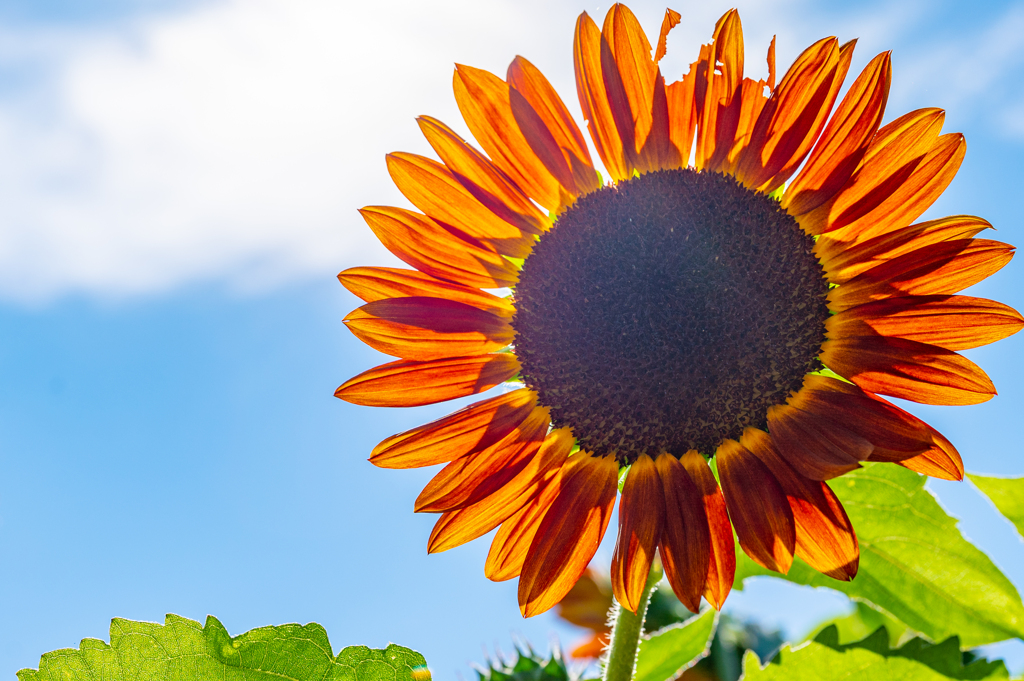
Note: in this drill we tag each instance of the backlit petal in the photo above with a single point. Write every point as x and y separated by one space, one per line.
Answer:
484 102
641 512
845 254
549 128
939 269
481 178
950 322
433 250
907 369
845 140
720 100
816 445
570 533
757 506
469 479
408 383
512 541
428 328
722 566
457 527
824 535
590 53
893 155
378 283
794 116
435 190
685 546
468 430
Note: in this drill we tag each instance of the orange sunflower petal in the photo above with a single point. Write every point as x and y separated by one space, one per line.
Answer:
721 102
752 104
894 433
408 383
794 115
942 461
433 250
432 188
683 106
671 20
457 527
602 99
644 88
845 254
549 129
483 100
468 430
471 478
722 566
377 283
817 446
570 533
893 155
641 513
757 506
512 541
943 268
907 369
481 178
824 535
950 322
685 546
428 328
845 140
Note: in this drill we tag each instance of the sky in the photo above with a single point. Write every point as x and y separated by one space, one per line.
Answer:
179 182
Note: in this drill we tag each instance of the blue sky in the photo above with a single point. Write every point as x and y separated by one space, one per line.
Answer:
178 185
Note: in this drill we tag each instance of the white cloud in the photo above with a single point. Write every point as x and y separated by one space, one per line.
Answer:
234 141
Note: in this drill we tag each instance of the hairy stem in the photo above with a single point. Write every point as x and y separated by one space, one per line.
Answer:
626 632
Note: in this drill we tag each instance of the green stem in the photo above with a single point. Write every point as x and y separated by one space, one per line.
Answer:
626 632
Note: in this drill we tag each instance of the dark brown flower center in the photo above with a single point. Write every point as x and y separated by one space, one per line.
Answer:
668 313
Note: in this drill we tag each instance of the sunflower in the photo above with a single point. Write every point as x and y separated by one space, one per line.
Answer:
733 319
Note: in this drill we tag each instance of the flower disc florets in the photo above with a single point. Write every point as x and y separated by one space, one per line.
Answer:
668 312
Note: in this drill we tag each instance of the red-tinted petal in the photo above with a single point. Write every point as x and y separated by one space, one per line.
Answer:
641 514
845 254
378 283
907 369
469 479
939 269
794 115
512 541
720 101
457 527
816 445
433 189
428 328
846 137
468 430
549 129
408 383
591 53
685 538
484 101
757 506
433 250
950 322
722 565
570 533
824 535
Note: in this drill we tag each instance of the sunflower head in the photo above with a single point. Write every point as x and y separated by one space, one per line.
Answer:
747 311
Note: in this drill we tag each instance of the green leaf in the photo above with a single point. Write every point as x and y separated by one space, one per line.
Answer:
871 659
864 620
1008 496
914 563
183 649
667 652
